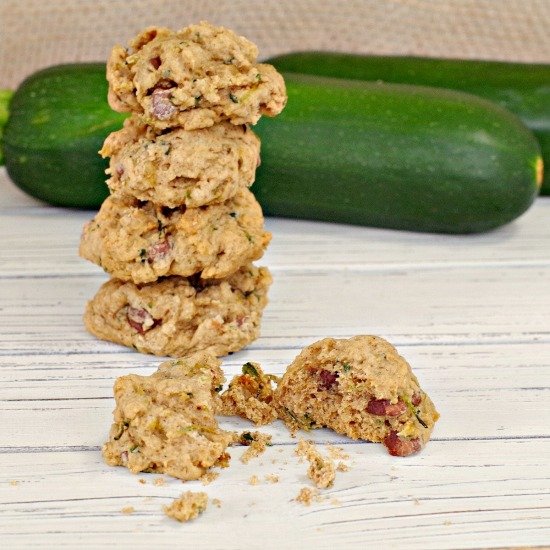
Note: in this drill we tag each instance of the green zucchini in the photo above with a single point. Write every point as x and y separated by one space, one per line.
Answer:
393 155
346 151
5 98
523 88
58 120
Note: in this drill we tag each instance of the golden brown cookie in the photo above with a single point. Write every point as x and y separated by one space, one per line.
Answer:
361 388
193 78
179 167
141 242
165 422
176 316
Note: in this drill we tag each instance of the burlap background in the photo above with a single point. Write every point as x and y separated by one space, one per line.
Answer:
38 33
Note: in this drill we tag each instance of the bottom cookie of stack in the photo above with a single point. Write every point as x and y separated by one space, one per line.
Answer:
176 316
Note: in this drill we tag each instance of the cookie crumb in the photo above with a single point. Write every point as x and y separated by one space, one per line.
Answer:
272 478
14 483
256 442
189 506
159 481
250 395
337 453
254 480
128 510
142 481
342 467
307 495
217 502
209 477
223 461
321 469
336 502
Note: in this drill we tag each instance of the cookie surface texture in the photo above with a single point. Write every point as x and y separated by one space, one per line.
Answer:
193 78
164 423
176 316
360 387
141 242
179 167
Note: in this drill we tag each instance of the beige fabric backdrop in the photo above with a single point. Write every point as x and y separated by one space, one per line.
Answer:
38 33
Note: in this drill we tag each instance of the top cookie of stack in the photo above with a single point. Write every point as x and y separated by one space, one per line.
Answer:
193 78
181 226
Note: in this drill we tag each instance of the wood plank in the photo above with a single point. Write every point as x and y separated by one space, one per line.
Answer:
470 313
479 367
456 306
458 492
44 241
466 383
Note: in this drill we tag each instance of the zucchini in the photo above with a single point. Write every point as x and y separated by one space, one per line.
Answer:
523 88
58 120
394 155
5 98
346 151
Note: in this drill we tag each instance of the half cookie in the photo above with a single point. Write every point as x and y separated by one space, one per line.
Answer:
361 388
165 422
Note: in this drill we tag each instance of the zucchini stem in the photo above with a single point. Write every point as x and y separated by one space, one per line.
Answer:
5 98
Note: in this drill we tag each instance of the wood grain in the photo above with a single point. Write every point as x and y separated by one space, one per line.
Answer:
471 314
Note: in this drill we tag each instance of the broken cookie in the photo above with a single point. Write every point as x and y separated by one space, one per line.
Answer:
361 388
250 395
164 423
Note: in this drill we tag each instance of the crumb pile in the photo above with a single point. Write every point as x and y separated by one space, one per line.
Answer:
181 229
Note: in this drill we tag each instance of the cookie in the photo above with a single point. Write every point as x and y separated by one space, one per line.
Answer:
181 167
176 316
193 78
361 388
141 242
164 423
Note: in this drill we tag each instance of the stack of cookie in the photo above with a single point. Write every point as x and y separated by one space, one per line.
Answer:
180 230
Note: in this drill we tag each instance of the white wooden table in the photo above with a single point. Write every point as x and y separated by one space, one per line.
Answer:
470 313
